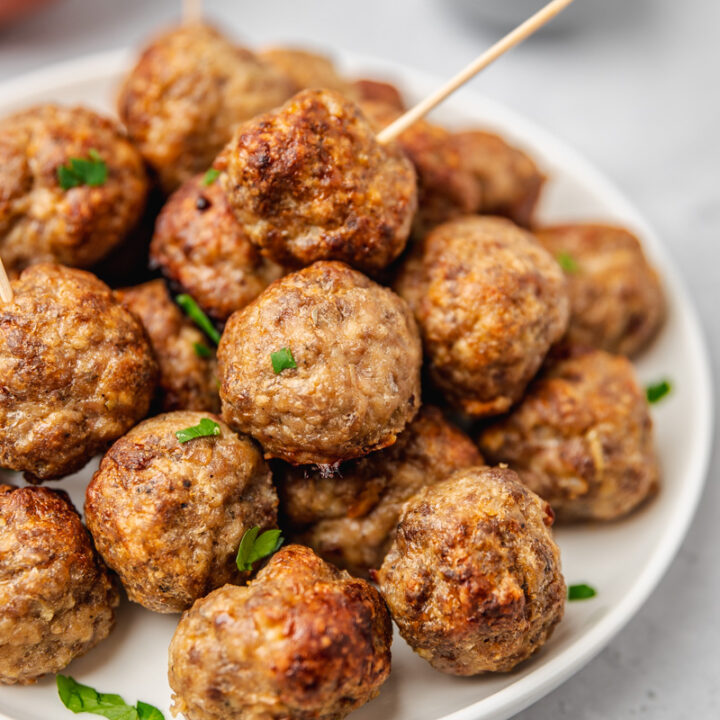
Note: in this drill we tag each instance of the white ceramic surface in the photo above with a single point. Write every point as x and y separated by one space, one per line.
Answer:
623 560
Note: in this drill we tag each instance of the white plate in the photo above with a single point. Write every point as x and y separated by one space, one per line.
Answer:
624 560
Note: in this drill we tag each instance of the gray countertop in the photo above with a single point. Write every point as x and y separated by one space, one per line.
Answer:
637 93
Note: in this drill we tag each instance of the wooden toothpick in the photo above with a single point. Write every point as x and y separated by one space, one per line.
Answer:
192 11
6 292
510 40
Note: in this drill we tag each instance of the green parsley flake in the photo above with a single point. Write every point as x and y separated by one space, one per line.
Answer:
253 548
83 699
581 592
205 428
210 176
657 391
193 311
82 171
567 262
282 360
202 350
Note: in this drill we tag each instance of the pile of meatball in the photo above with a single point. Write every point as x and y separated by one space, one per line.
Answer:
453 378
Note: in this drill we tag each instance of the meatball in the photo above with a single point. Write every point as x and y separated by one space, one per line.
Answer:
57 599
464 172
42 222
168 517
473 577
201 249
616 299
349 516
309 70
581 438
76 371
379 91
310 182
303 641
188 91
490 302
508 179
351 353
188 368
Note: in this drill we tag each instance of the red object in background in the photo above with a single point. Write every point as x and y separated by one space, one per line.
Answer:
13 9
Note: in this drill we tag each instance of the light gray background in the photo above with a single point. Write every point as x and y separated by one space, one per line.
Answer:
638 92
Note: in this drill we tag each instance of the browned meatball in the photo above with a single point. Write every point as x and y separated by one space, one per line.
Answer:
349 516
473 577
188 368
201 248
310 182
309 70
56 596
357 380
464 172
76 371
303 641
616 299
188 91
42 222
490 302
509 181
168 516
581 438
379 91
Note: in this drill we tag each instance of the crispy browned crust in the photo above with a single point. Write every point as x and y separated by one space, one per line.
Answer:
581 438
348 516
509 181
201 248
358 355
187 381
76 371
41 222
168 517
57 599
473 577
379 91
303 641
617 303
490 302
310 182
187 92
309 70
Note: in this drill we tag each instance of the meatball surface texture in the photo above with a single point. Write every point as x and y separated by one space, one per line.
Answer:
186 94
42 222
168 517
57 599
188 375
302 640
581 438
310 182
616 299
76 371
202 250
357 381
490 302
349 516
473 577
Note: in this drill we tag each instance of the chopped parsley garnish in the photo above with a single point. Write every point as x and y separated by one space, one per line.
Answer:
193 311
581 592
205 428
567 262
210 176
90 171
282 360
202 350
657 391
253 548
83 699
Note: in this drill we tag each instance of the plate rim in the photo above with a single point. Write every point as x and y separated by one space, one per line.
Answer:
545 678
